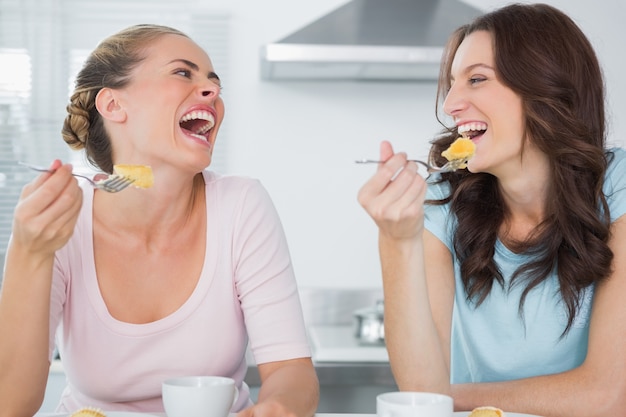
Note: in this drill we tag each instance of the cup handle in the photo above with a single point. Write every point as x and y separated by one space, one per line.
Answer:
236 396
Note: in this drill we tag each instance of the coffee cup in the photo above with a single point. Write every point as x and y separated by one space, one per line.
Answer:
199 396
414 404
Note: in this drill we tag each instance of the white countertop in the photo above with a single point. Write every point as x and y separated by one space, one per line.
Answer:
339 344
56 367
131 414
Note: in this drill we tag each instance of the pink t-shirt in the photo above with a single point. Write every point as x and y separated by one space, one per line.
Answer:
247 290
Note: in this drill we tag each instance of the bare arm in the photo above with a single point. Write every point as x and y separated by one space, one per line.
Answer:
288 389
44 220
418 344
394 198
598 386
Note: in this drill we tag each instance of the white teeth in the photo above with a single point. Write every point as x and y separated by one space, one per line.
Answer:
199 136
471 126
200 115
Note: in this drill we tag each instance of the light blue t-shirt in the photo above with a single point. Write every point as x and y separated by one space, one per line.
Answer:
493 342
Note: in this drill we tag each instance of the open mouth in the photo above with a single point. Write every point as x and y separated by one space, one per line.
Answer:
472 130
197 124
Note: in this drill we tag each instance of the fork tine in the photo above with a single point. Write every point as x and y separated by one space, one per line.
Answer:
112 184
115 184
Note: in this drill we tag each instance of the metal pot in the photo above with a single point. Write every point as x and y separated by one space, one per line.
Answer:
370 328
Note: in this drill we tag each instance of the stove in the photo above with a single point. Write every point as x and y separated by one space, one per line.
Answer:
339 344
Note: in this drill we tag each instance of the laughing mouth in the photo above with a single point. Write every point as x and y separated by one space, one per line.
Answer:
198 123
471 130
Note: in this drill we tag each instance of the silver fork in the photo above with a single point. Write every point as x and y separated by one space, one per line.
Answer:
110 184
449 166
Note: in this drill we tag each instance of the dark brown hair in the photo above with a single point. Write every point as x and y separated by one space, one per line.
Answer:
542 55
109 65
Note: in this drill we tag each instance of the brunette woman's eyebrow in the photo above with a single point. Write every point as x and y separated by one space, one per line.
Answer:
471 68
478 65
195 67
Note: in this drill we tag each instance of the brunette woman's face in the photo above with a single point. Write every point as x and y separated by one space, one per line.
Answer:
484 109
172 105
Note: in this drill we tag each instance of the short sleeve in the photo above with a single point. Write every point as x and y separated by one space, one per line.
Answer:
437 217
615 184
265 281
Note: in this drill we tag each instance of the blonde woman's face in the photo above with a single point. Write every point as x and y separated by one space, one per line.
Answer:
172 106
489 111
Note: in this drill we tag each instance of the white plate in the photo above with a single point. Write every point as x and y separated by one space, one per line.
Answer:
467 413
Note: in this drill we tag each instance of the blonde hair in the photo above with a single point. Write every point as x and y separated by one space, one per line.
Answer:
108 66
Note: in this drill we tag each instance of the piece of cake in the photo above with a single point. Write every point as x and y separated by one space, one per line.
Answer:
461 149
88 412
140 174
487 411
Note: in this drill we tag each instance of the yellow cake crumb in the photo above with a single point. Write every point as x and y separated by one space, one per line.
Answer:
487 411
88 412
141 174
460 149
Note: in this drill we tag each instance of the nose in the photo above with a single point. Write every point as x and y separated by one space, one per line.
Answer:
454 102
209 89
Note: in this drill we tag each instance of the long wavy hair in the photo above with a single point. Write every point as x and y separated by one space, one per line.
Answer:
543 56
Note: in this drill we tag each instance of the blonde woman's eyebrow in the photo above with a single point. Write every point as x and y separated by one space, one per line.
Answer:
195 67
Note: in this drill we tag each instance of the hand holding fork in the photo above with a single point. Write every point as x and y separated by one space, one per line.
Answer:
110 183
450 166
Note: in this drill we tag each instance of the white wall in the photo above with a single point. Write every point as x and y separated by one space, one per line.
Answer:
301 138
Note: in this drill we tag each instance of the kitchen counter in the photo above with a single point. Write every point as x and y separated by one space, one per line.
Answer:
349 387
347 374
344 387
350 374
338 343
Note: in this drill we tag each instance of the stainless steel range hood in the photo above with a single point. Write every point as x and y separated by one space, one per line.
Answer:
399 40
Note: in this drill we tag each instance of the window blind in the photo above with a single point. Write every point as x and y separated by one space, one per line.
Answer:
42 47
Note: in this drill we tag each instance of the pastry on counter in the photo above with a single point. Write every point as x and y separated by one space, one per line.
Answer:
88 412
487 411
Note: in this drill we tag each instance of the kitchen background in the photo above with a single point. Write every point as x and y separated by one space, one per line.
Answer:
300 138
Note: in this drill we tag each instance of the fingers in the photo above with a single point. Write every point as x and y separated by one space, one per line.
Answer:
386 172
402 199
57 222
266 408
393 177
247 412
394 196
43 177
46 213
403 181
45 189
386 150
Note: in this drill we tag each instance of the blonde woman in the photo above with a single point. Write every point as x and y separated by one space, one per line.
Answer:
145 284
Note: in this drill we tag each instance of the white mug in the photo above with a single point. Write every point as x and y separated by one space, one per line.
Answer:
199 396
414 404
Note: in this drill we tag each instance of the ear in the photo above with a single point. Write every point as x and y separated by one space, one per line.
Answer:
108 105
